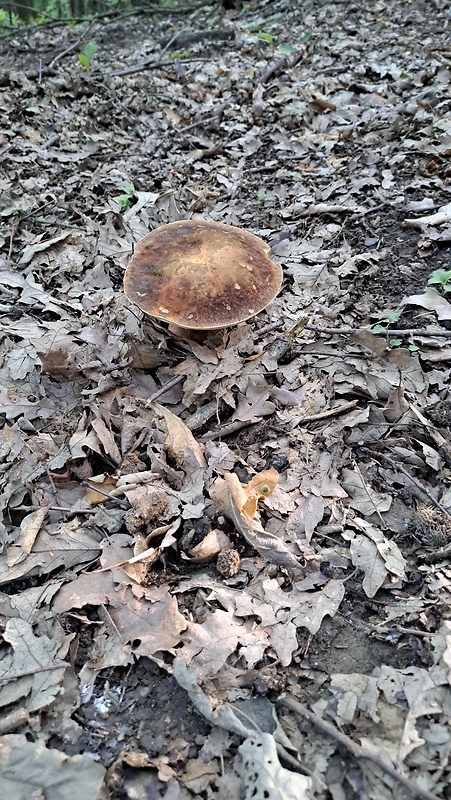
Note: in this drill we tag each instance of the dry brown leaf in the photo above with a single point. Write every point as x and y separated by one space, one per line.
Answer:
180 441
362 497
263 483
107 439
213 543
104 482
92 588
230 498
431 300
154 625
255 404
246 495
208 645
30 527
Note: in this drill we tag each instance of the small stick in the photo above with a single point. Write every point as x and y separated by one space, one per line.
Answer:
415 481
122 503
73 510
147 65
357 750
165 388
405 332
203 414
69 49
333 412
272 326
14 720
226 430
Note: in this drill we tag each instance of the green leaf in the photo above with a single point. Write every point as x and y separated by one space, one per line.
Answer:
179 54
379 329
266 37
125 200
286 48
393 317
440 276
90 50
394 342
86 56
413 348
306 37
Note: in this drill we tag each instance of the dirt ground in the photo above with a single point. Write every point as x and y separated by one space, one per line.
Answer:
133 665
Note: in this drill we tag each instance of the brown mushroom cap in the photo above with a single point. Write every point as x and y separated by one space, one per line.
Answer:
201 275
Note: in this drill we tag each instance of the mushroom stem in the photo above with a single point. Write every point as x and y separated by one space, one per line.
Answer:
188 333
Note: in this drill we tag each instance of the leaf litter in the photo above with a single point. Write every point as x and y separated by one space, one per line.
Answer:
224 564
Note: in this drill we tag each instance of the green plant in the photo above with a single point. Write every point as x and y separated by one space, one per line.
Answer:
266 37
126 199
385 329
442 279
261 197
86 56
180 54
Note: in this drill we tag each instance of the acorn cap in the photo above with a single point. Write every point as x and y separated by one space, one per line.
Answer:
201 275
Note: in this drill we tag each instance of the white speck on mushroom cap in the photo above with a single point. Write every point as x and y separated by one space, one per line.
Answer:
164 310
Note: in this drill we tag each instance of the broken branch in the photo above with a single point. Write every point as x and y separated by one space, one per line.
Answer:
356 749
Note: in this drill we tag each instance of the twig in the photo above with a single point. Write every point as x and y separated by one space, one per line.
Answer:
411 478
169 385
122 503
271 326
69 49
360 214
278 65
199 123
73 510
333 412
404 332
203 414
14 720
149 64
226 430
357 750
116 367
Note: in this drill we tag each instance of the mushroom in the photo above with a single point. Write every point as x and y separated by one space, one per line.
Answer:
201 276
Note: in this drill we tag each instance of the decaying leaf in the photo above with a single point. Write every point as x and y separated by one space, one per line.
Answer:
106 483
362 497
30 527
180 441
433 301
30 769
35 667
213 543
245 496
231 499
263 775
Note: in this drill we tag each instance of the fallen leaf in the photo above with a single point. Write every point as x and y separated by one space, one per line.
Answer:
230 496
31 770
431 300
213 543
362 497
263 775
180 441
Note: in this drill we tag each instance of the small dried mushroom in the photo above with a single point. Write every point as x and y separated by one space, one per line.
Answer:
228 562
201 276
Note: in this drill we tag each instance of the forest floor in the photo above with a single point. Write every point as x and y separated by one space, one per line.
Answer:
159 638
